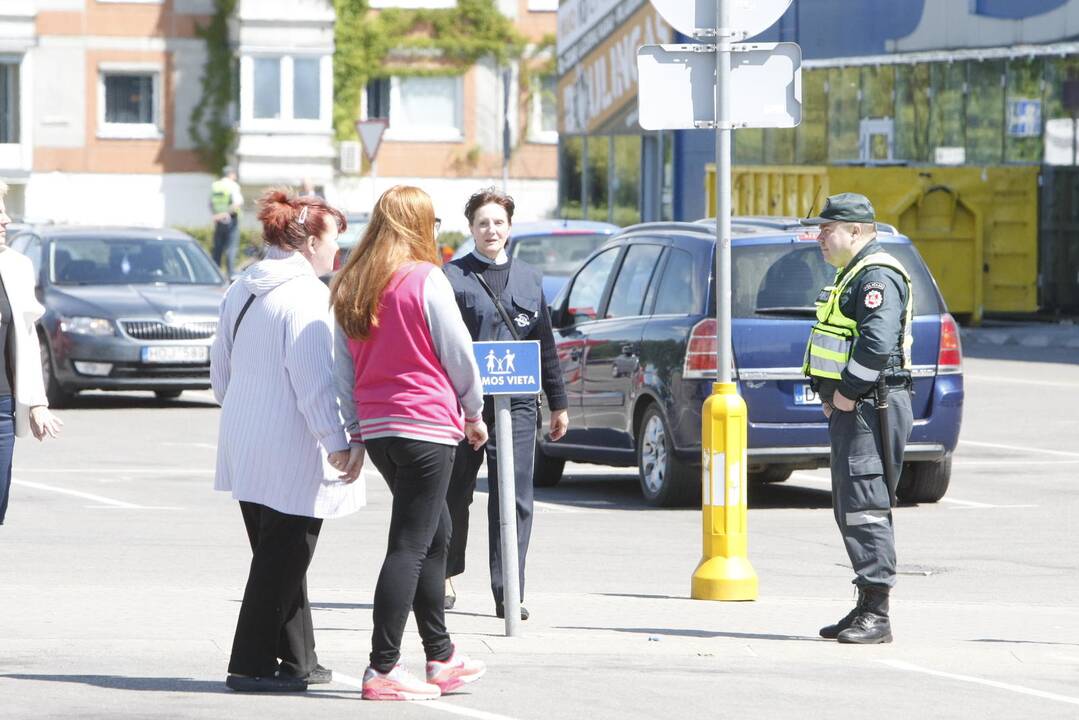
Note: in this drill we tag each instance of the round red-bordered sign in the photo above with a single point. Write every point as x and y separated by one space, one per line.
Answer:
873 299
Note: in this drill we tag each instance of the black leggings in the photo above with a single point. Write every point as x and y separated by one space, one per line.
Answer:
413 573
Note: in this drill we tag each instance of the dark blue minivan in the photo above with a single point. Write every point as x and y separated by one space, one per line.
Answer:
636 337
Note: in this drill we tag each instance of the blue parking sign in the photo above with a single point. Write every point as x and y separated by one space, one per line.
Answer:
509 368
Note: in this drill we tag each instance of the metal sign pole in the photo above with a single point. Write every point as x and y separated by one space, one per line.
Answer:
507 516
723 191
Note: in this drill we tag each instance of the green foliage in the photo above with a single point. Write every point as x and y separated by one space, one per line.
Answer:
211 123
250 240
412 42
451 238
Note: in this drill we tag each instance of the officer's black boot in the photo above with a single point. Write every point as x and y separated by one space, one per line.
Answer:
832 631
872 625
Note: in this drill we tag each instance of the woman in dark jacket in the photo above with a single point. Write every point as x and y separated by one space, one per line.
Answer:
487 273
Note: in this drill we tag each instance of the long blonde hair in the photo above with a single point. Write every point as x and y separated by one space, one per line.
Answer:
402 230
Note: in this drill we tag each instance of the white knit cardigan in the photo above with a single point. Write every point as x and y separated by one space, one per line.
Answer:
279 410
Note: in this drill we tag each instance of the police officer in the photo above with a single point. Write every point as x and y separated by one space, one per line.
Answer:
501 299
860 346
226 203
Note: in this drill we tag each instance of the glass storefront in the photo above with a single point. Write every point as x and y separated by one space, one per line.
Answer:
606 174
952 111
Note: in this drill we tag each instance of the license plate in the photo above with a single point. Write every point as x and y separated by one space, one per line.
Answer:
175 354
804 395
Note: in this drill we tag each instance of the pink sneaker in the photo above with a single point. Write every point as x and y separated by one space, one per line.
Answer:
451 674
397 684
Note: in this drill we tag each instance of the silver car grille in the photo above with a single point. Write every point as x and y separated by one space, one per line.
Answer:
157 330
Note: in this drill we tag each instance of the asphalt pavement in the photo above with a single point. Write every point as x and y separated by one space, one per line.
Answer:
121 573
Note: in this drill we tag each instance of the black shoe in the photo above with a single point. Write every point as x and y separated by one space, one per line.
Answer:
500 611
831 632
319 676
872 625
867 629
276 684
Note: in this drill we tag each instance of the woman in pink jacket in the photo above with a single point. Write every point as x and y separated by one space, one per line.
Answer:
404 360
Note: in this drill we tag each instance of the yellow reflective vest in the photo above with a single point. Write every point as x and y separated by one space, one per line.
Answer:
833 336
221 192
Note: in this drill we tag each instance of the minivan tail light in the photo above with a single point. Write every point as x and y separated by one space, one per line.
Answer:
950 357
701 351
337 259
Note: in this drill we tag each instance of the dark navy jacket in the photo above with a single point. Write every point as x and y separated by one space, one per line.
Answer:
524 302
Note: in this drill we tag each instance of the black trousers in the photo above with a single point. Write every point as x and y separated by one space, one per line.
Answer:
861 498
413 573
275 617
523 413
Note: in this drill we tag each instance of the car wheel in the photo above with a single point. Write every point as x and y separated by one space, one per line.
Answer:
546 470
771 474
54 391
666 481
167 394
925 482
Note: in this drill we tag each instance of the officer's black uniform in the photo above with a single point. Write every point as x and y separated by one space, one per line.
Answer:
519 288
876 298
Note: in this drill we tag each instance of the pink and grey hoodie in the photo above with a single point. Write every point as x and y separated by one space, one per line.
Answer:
415 376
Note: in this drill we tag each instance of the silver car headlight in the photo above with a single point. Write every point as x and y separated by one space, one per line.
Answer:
80 325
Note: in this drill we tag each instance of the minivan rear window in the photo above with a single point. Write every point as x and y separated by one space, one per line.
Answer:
785 279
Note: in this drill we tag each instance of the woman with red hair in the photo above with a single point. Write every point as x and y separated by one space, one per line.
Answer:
282 451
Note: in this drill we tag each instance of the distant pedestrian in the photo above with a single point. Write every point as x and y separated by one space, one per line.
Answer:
501 298
226 203
24 407
282 451
405 359
308 189
860 349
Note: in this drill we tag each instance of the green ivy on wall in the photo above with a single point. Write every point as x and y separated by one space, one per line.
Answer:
211 125
394 42
404 42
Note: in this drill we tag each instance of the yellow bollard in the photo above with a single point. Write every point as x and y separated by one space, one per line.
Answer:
724 572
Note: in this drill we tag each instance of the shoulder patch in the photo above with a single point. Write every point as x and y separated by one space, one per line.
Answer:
873 299
873 285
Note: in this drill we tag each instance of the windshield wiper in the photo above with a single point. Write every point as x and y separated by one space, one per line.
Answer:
807 311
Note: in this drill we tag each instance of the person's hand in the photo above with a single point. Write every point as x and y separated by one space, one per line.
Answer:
476 434
841 403
559 424
338 459
43 423
827 409
354 466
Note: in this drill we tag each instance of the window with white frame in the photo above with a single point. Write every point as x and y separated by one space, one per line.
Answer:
306 89
267 78
543 127
128 102
426 108
285 88
9 101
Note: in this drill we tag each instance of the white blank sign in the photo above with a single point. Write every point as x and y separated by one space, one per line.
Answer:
750 17
677 89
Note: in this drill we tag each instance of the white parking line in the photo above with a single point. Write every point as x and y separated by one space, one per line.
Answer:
1020 448
963 504
900 665
1024 463
432 704
1016 381
76 493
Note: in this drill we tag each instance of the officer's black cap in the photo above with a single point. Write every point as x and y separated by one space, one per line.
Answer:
844 207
